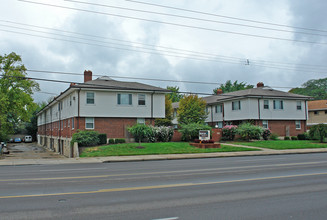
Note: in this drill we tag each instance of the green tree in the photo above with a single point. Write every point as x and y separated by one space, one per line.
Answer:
168 114
231 87
316 88
16 102
174 96
31 126
319 130
192 109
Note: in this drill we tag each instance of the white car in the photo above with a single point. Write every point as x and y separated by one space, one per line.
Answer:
28 139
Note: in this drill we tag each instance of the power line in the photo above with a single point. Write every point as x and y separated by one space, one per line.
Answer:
194 18
176 50
176 24
224 16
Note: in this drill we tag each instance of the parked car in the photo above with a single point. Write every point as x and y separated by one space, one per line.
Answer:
28 139
17 140
11 140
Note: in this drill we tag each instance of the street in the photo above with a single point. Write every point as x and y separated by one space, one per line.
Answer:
259 187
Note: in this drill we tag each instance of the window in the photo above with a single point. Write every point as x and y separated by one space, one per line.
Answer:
141 99
141 121
219 108
69 123
298 105
265 124
207 109
298 124
70 100
73 123
90 98
124 99
325 112
316 112
236 105
265 104
278 104
62 125
219 124
89 123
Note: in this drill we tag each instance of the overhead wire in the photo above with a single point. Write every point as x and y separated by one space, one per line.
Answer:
177 24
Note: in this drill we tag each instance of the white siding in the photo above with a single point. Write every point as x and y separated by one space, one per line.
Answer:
289 111
249 110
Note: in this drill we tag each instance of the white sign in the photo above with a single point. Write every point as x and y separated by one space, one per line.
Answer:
204 135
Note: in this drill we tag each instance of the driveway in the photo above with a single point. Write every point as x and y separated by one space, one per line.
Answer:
29 151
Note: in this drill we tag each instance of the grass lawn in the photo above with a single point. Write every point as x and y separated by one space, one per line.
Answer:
283 145
153 148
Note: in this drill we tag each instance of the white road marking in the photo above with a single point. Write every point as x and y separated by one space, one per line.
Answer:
81 169
170 218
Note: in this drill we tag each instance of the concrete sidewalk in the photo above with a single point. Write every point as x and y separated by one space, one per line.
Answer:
8 162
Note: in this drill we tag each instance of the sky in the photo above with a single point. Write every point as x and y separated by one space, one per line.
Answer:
282 43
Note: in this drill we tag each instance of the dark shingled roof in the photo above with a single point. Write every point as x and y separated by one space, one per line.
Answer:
108 83
264 92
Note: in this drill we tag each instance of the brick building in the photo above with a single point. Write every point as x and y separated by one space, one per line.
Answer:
104 105
283 113
317 112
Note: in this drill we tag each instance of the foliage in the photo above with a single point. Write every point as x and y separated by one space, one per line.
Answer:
163 133
316 88
266 133
111 141
319 130
191 131
301 137
174 96
286 138
228 132
155 148
192 109
247 131
294 138
168 114
102 138
140 132
16 102
231 87
274 137
86 138
120 140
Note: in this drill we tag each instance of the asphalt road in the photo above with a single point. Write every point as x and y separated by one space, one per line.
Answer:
262 187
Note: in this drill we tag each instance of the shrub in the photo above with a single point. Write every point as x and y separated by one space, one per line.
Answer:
164 134
162 122
111 141
86 138
286 138
140 132
318 131
294 138
274 136
301 137
102 138
266 133
191 131
248 131
228 132
120 141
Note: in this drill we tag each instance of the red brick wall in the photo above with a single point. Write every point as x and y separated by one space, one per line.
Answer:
177 136
216 134
279 127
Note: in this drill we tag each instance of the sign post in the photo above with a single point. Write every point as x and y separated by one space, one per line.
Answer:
204 135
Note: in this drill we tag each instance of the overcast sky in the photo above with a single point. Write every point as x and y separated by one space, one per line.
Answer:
213 46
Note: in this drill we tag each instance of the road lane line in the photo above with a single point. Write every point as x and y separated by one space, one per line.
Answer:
161 172
170 218
161 186
81 169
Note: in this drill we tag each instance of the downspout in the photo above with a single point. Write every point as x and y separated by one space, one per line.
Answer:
152 107
259 110
211 116
78 108
223 112
306 116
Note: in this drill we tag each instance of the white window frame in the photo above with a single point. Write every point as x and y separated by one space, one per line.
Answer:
142 98
141 121
265 104
90 98
265 124
89 121
298 105
130 99
220 124
218 108
73 123
236 107
280 105
297 125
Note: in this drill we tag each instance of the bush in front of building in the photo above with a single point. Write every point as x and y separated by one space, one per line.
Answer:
248 131
140 132
294 138
191 131
120 140
228 132
274 137
286 138
111 141
86 138
266 133
162 133
301 137
102 139
318 131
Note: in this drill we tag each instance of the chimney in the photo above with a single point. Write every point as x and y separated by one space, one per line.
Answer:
260 84
87 75
219 91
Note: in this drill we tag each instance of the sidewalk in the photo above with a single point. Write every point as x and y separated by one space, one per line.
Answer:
263 151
